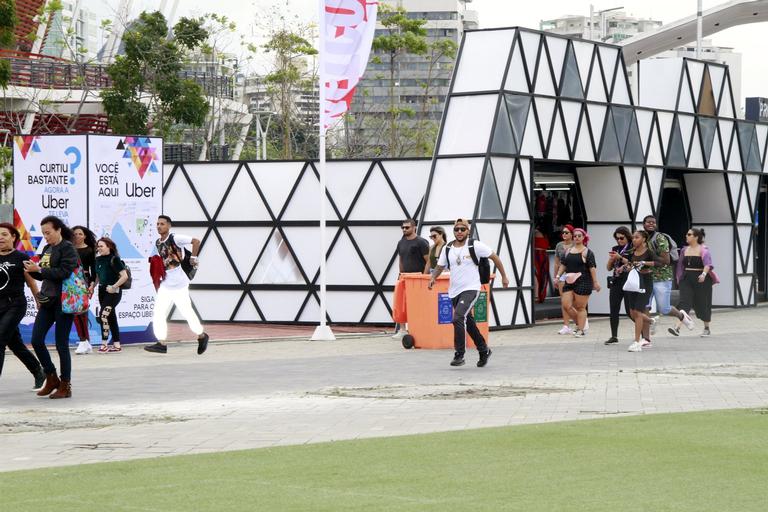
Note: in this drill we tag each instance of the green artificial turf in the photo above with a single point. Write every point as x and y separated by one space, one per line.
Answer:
711 461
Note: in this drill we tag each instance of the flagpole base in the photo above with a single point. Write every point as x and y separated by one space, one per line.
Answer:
323 333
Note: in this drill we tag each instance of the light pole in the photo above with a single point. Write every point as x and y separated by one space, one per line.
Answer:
601 14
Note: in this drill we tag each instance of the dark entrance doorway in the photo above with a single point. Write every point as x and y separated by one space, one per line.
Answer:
556 202
674 213
761 220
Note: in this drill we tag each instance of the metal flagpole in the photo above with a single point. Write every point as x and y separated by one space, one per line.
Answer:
698 28
323 331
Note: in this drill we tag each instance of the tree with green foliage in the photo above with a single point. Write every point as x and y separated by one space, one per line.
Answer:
441 54
290 76
147 95
8 21
403 36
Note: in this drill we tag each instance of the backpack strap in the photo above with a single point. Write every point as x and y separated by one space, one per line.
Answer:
472 252
447 250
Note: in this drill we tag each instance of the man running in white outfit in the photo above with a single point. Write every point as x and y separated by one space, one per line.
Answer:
174 288
465 288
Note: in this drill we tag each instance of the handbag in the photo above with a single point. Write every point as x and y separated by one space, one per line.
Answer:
572 277
633 282
609 281
74 292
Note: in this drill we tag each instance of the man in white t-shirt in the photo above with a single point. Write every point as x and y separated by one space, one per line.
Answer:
465 288
174 288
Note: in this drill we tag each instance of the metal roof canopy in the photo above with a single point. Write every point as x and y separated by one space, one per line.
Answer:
680 32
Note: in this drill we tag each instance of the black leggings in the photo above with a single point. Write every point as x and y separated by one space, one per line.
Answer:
107 317
11 313
696 295
615 297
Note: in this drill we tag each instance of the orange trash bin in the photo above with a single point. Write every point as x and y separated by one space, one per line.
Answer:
430 312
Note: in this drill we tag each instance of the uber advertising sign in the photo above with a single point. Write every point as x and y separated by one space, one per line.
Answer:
125 198
112 185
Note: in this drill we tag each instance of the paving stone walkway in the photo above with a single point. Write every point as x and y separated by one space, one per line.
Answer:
251 394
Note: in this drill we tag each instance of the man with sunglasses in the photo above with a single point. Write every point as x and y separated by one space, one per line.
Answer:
465 288
413 253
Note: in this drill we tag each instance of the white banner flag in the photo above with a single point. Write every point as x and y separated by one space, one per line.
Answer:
347 31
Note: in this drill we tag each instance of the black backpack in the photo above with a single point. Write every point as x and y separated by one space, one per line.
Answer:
129 282
483 264
186 260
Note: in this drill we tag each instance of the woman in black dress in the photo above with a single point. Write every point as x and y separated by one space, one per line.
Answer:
581 278
13 302
695 279
57 262
85 242
641 260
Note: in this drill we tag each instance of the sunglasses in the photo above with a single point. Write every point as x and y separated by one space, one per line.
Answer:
620 237
566 232
458 230
406 227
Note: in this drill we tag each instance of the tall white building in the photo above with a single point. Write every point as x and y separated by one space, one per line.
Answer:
615 26
71 29
445 19
610 26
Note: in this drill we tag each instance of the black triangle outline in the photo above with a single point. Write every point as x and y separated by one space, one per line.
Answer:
701 89
577 137
734 140
687 145
199 200
544 144
557 114
600 72
672 132
595 147
608 119
741 252
529 74
655 132
569 50
503 105
733 203
227 191
525 124
727 81
548 59
707 155
613 79
689 83
571 149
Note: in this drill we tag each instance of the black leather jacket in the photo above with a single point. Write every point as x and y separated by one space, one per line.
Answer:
63 260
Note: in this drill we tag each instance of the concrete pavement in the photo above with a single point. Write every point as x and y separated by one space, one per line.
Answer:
257 394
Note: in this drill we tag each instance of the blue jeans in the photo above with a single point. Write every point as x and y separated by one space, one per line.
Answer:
46 316
662 292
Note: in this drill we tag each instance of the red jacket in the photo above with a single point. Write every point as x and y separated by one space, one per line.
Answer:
156 270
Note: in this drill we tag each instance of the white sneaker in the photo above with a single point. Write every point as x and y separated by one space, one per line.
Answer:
84 347
645 343
578 333
654 320
687 320
586 325
565 330
635 347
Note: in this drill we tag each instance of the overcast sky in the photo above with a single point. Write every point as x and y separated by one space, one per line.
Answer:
749 40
